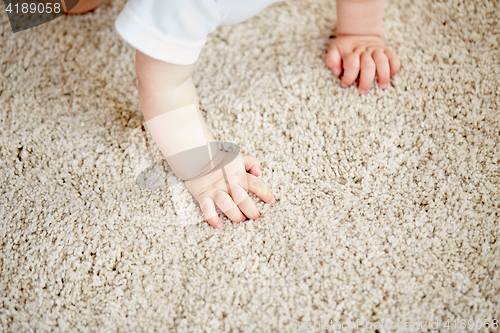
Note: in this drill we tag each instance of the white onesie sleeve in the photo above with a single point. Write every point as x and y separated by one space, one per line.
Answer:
175 31
169 30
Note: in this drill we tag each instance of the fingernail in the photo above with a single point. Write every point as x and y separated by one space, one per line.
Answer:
273 201
219 226
343 85
384 86
362 92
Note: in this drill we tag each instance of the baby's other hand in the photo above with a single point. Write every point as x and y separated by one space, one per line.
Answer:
363 55
231 197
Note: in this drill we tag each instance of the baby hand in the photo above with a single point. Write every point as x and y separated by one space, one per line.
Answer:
227 188
350 55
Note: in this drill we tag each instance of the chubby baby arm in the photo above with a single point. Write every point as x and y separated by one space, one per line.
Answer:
358 48
214 177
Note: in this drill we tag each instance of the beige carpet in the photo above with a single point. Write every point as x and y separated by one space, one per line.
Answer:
388 203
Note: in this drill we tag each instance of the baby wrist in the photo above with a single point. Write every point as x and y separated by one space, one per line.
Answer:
182 138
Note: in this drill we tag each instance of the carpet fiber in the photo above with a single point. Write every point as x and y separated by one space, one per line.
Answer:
388 204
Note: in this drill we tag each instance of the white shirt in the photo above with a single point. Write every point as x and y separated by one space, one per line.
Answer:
175 31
